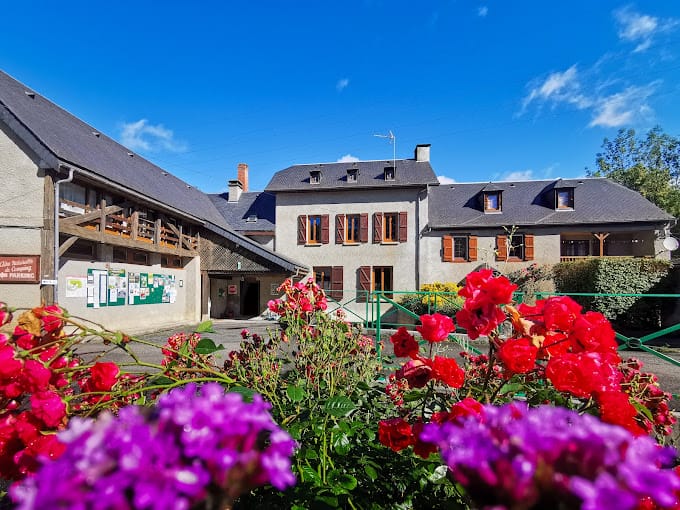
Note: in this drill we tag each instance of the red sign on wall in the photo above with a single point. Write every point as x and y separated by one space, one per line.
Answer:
19 268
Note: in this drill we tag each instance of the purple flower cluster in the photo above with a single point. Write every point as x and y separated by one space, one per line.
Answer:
550 457
195 444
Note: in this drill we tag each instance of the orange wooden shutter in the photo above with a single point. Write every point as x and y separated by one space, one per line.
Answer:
377 227
403 224
363 228
302 229
528 247
336 282
501 248
472 248
324 229
447 249
339 228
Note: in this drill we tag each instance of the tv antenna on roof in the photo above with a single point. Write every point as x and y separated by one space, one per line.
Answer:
393 141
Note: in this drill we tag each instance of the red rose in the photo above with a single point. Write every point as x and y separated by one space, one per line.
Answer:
416 372
50 316
421 448
103 375
35 377
467 407
560 312
447 371
582 374
481 287
518 355
9 366
593 332
395 434
405 345
436 327
615 408
554 344
480 321
48 407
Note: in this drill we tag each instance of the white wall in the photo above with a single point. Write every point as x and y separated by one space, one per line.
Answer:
401 256
21 214
135 318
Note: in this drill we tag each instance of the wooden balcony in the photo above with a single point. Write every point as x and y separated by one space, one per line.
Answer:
108 224
571 258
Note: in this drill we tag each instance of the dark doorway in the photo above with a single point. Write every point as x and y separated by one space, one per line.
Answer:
250 298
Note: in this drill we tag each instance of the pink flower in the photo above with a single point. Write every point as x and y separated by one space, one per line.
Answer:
436 327
48 407
416 372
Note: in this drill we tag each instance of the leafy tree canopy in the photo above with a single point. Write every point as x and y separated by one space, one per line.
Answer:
650 166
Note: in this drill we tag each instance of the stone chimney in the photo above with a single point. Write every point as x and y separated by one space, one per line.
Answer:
423 152
242 176
235 190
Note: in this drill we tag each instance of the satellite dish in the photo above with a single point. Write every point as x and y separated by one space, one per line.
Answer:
671 243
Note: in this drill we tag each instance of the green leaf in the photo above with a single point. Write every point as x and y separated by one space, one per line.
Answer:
309 453
205 327
246 393
295 393
339 406
207 346
438 474
331 501
161 380
512 388
344 480
341 444
310 475
371 472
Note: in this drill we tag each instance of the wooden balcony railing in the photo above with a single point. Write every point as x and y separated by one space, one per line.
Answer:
110 220
576 258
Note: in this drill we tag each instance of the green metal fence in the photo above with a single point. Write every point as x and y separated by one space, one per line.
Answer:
380 312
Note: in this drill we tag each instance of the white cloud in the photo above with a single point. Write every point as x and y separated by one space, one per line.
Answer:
342 84
142 136
625 107
482 11
558 87
348 158
519 175
445 180
640 28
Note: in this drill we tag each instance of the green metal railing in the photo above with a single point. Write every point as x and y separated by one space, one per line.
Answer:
377 306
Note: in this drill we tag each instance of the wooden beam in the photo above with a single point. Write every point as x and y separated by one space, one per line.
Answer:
135 225
47 234
102 217
82 218
157 232
67 244
601 236
99 237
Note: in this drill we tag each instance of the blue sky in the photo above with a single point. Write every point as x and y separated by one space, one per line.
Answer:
502 90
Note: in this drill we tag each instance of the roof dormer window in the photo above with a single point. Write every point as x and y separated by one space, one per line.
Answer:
389 173
564 199
493 201
251 218
315 177
352 175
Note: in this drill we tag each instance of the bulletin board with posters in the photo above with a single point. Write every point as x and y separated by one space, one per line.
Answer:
151 288
106 287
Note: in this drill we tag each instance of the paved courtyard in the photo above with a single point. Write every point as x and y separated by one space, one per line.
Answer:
228 334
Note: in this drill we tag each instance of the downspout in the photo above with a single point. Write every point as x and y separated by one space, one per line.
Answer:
418 235
55 298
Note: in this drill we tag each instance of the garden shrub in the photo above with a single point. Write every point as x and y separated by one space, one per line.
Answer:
625 275
446 300
530 280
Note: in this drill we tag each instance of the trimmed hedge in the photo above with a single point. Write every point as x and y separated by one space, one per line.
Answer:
625 275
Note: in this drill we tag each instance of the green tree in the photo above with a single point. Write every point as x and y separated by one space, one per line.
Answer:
650 166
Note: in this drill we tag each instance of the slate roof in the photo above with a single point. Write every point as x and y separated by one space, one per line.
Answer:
408 173
75 143
596 200
261 205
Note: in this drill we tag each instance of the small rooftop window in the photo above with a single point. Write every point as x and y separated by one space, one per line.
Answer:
252 218
389 173
564 199
493 201
352 175
315 177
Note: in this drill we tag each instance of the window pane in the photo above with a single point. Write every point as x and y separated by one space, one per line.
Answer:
322 277
516 246
460 248
492 202
564 199
314 229
352 230
390 227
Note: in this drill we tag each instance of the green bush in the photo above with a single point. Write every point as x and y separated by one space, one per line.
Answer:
616 276
434 297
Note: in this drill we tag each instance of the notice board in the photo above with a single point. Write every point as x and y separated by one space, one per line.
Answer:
106 287
152 288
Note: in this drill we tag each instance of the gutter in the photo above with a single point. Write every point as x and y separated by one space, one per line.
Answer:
55 297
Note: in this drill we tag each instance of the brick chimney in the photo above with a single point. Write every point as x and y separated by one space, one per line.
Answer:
242 176
423 152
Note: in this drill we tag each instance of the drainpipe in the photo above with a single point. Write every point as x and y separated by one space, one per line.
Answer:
55 298
418 235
